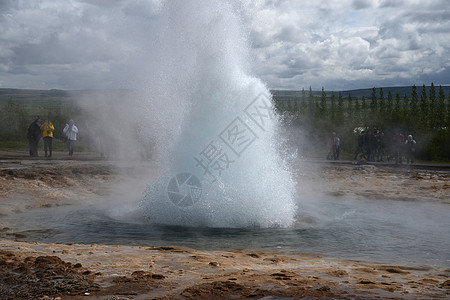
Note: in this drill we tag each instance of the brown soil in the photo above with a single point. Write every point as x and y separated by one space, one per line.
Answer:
30 184
33 277
383 181
50 271
32 270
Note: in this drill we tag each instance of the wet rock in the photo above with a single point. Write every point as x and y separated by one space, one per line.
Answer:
214 264
214 290
445 285
338 273
366 281
254 255
324 289
395 270
158 276
31 278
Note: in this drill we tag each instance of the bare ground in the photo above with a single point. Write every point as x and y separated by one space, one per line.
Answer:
50 271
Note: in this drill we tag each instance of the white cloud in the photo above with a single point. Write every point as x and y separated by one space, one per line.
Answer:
356 42
337 44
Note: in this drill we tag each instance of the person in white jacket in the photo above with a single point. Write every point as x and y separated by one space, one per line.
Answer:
71 133
410 149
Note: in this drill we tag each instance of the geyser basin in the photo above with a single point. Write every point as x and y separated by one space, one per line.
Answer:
397 232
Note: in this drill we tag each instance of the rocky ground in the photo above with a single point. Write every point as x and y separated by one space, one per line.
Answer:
377 180
32 270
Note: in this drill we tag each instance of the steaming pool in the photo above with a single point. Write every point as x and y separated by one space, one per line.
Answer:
400 232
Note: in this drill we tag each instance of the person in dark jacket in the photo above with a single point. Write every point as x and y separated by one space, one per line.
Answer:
373 145
366 144
398 144
33 136
360 149
381 146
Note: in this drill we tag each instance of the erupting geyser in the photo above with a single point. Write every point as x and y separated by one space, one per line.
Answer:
216 130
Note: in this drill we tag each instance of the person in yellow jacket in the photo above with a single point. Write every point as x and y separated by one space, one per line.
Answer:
47 133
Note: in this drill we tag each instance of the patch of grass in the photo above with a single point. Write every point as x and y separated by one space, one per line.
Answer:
432 161
14 145
58 145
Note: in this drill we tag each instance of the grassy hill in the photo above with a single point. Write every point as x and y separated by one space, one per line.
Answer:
51 98
56 102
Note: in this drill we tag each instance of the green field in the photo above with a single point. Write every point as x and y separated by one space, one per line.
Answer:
422 111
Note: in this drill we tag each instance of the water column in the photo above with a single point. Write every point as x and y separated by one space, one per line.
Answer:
222 168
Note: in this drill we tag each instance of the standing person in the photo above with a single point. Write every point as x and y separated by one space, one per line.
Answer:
337 146
71 132
47 135
33 136
373 145
360 149
381 147
331 148
366 145
410 150
398 142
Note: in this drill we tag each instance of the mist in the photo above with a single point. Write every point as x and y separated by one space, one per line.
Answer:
194 79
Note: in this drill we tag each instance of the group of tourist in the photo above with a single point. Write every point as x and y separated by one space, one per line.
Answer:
372 146
37 129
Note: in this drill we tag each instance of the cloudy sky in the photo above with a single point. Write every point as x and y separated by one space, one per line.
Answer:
340 44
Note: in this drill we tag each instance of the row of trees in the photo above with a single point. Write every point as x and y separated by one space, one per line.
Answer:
425 116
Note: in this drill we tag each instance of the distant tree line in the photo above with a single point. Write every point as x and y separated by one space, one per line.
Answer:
426 116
